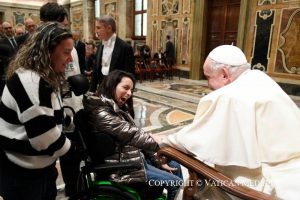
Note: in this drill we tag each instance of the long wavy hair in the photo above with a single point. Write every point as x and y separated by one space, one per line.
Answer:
35 53
109 85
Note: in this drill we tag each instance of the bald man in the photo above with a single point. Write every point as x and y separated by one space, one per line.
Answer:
9 42
248 128
30 25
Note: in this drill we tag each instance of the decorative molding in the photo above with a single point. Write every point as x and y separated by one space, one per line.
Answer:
77 18
186 7
266 2
154 35
262 38
289 43
260 67
265 14
184 50
169 7
19 17
111 9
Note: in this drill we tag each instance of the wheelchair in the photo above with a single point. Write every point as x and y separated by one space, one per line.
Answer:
93 180
93 176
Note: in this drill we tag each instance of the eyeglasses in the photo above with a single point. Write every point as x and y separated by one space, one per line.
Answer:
7 28
31 26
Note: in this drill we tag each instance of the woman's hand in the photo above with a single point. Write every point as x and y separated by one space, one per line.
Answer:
168 168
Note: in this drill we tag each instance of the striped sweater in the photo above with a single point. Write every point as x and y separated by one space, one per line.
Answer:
31 119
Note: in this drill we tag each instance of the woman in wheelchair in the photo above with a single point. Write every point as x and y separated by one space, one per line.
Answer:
109 112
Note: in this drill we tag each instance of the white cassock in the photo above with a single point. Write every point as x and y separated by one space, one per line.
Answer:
249 130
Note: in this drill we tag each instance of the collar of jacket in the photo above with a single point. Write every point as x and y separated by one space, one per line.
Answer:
110 102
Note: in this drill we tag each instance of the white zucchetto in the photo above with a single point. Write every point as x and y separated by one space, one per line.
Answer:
228 54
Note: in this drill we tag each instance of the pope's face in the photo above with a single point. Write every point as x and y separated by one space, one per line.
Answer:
216 78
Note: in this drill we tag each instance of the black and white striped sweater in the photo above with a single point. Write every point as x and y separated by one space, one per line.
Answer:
31 119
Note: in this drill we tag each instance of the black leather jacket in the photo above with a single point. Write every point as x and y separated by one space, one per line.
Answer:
105 116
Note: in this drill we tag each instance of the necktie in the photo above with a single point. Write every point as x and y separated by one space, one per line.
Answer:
13 43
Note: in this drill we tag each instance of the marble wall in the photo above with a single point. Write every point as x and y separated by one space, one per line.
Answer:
268 30
274 39
15 12
171 17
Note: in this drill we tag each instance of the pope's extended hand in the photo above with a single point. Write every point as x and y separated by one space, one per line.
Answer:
157 138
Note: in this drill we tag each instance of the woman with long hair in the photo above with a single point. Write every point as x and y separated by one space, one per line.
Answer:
31 116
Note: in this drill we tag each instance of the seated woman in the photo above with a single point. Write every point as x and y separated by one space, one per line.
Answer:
109 113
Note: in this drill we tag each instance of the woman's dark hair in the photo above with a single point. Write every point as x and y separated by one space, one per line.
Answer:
53 12
109 85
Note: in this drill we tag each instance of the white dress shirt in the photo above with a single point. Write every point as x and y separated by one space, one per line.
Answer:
108 47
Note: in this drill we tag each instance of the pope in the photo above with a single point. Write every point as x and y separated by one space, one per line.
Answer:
247 128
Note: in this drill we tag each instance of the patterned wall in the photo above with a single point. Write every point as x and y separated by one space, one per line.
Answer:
288 53
275 40
171 17
19 15
77 18
109 7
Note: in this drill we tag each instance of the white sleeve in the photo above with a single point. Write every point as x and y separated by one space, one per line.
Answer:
73 67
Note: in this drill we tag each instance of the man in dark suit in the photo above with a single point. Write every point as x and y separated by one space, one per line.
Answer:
170 51
80 48
10 44
113 53
159 56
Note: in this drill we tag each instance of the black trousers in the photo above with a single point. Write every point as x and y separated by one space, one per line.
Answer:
70 166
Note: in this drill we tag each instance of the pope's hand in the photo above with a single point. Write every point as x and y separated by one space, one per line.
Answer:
157 138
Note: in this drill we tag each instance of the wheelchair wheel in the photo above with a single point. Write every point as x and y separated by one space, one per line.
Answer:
105 192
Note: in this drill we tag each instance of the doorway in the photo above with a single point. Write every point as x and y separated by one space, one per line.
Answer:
222 23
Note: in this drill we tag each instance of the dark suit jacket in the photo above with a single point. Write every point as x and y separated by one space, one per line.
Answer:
7 52
170 51
6 55
80 48
21 39
122 59
156 57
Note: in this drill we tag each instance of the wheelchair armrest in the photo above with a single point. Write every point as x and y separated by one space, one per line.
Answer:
107 168
198 170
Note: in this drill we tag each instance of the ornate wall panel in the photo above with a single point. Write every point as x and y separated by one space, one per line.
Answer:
169 7
122 11
171 17
265 2
77 18
186 7
264 23
288 55
185 41
19 13
154 35
110 9
129 18
274 39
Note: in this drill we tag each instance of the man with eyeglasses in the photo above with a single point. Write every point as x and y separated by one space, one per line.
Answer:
30 27
9 42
